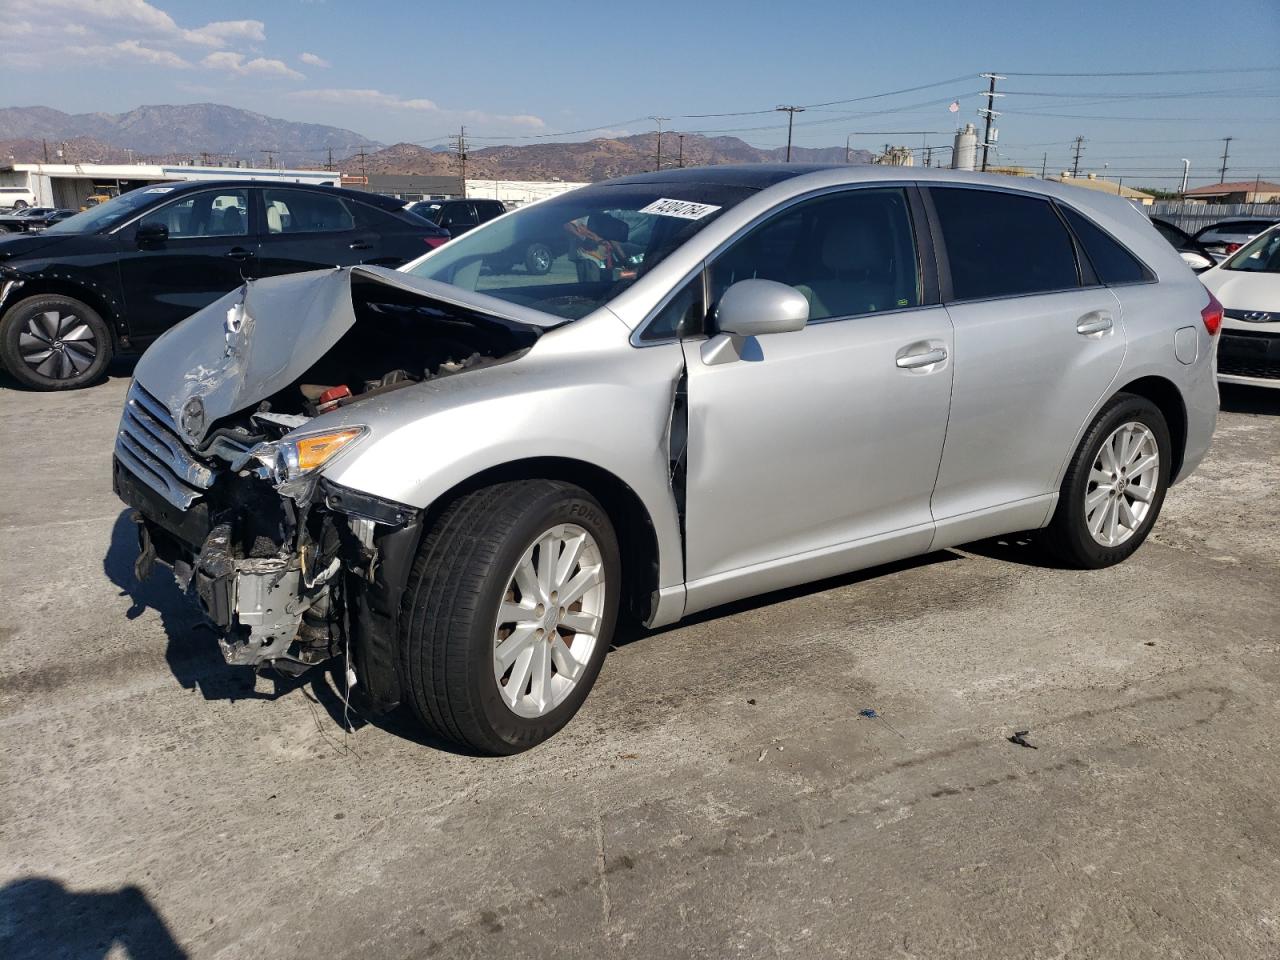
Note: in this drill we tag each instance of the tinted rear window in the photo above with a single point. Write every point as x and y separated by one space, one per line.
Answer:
1003 244
1111 261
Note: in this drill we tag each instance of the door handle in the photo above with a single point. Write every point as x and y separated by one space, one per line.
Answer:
361 245
240 253
1099 321
910 362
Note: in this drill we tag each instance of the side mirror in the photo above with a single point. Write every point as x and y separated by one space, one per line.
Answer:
752 308
152 232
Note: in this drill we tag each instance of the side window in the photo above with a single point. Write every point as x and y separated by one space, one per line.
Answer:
849 253
1003 244
375 219
213 213
681 317
301 211
458 215
1111 262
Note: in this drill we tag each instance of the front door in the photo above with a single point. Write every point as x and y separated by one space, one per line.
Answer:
209 250
815 452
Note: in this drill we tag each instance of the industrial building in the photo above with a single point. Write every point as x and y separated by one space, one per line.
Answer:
71 185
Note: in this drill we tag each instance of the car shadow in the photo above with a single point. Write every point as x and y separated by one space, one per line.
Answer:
629 630
1239 398
120 368
44 919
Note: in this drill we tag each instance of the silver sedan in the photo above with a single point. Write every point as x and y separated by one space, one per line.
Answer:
457 477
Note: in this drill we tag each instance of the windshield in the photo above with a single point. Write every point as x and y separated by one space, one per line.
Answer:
108 214
573 253
1262 255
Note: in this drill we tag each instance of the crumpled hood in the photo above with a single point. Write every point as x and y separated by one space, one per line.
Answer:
256 340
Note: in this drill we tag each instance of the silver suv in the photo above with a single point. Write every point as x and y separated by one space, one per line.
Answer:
456 477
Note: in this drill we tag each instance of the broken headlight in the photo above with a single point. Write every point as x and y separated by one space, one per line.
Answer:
298 455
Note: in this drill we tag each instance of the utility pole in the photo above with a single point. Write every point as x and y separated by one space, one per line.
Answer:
46 150
364 174
460 145
928 156
1075 163
329 163
1044 164
271 159
791 112
659 121
846 147
990 114
680 158
1186 171
204 158
1226 147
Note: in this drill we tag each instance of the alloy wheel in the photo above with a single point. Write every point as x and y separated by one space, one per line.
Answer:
57 345
1122 484
549 620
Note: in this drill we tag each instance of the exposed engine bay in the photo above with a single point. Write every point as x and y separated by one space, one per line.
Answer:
286 564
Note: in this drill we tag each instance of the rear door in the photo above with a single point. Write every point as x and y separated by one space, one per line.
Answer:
1037 345
310 230
211 248
388 240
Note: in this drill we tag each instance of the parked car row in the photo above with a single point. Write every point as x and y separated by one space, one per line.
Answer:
116 276
32 218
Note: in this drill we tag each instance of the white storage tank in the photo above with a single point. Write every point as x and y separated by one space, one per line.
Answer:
964 154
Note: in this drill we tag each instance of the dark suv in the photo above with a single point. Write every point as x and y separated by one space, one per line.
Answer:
458 216
113 278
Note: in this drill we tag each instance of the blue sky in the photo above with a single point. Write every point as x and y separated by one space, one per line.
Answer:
418 70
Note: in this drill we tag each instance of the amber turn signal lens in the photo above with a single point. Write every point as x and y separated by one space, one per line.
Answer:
315 450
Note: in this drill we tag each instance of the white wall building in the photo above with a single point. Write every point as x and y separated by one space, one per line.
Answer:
515 193
69 185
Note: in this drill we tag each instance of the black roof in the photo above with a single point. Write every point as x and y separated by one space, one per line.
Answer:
374 199
751 175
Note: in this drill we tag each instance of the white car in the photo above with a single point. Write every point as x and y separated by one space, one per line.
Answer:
1248 285
1226 237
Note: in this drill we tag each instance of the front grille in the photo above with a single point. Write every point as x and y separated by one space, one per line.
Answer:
1242 367
149 445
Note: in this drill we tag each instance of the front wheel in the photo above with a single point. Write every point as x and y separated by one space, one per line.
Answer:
508 612
52 342
1114 487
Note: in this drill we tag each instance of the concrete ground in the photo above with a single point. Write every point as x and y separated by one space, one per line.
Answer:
718 796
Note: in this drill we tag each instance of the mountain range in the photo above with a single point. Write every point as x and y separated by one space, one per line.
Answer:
215 133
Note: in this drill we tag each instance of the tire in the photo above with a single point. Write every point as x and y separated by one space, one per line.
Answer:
538 259
52 342
1132 428
465 573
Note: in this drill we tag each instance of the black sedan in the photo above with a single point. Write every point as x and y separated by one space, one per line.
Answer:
113 278
17 221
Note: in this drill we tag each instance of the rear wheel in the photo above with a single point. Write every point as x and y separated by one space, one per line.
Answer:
508 612
538 258
1114 487
52 342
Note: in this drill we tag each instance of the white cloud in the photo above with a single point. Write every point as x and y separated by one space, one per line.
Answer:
367 98
42 34
311 60
235 63
378 100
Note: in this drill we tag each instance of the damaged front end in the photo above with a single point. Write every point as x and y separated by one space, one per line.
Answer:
291 568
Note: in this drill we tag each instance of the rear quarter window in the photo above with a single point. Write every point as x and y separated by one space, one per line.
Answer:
1003 244
1111 261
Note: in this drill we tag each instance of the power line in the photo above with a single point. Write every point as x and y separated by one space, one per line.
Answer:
1151 73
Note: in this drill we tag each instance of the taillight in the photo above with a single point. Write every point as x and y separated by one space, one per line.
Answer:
434 242
1233 247
1211 314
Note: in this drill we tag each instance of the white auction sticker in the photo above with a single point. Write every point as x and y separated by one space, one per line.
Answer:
684 209
158 190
